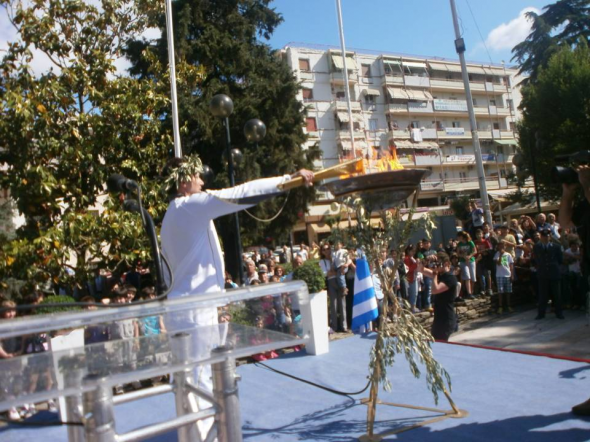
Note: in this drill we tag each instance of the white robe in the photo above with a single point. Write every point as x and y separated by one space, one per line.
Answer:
191 246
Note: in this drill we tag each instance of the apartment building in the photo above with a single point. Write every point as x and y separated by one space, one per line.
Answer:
414 107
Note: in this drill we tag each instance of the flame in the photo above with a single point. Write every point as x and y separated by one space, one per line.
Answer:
358 168
389 162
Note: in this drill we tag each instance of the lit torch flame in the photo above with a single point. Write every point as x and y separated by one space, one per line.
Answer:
389 162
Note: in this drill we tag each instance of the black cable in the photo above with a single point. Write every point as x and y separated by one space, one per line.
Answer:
41 424
322 387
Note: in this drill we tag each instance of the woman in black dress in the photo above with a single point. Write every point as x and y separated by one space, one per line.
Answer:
444 291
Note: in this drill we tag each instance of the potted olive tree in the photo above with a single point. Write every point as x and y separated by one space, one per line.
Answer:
314 313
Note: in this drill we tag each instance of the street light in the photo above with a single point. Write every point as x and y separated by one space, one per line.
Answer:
222 106
254 130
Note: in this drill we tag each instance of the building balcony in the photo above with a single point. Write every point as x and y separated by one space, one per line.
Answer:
397 108
415 80
420 107
429 133
427 160
503 111
479 110
454 133
340 105
446 84
338 77
306 76
345 135
392 80
398 133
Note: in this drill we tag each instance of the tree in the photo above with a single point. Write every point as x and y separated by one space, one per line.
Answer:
64 131
556 108
221 38
562 24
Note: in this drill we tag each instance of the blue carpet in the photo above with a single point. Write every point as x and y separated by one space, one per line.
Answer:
509 397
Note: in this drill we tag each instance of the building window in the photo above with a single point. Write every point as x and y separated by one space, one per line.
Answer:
307 94
373 124
340 94
456 124
304 65
496 126
492 102
366 70
415 124
474 102
510 104
459 150
369 99
512 126
311 124
463 176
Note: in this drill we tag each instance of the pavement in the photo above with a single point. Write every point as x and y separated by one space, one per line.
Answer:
569 337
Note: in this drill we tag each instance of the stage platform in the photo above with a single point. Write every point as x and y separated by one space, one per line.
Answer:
509 397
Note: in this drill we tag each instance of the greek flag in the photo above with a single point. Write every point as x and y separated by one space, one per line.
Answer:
364 306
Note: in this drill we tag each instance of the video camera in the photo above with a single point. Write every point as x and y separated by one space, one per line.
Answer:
566 174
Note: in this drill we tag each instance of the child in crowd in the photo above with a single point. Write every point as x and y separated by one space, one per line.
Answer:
504 276
341 265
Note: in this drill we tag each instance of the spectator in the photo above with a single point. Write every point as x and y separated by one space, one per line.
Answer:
151 325
9 348
573 258
263 275
484 261
444 292
94 333
467 251
451 247
279 272
337 310
314 252
548 257
553 226
130 292
285 255
303 252
251 273
134 275
229 282
504 276
412 265
527 226
350 275
341 265
508 239
477 217
541 222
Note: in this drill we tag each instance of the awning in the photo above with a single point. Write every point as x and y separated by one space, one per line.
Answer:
520 209
454 67
339 63
414 94
403 144
495 71
506 142
398 93
358 144
412 64
374 92
438 66
475 70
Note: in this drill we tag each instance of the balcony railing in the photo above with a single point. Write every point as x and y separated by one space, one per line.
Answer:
398 133
448 84
338 77
341 105
397 107
459 184
415 80
420 107
393 79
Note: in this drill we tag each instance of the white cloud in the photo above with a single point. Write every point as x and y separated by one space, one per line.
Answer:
508 35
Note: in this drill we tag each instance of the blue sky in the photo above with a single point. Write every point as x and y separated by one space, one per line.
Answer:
417 27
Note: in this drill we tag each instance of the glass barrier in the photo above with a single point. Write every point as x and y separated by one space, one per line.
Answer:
68 353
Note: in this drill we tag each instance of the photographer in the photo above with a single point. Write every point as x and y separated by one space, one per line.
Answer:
444 291
576 216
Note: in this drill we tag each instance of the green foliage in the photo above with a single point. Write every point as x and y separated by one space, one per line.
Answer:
64 131
556 109
56 299
564 23
221 39
460 207
311 273
243 314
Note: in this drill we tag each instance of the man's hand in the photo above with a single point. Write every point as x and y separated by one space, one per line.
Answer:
307 176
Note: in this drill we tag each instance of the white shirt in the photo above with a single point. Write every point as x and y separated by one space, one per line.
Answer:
575 266
503 267
340 257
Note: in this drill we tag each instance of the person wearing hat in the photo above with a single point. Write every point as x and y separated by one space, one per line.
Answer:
263 274
547 257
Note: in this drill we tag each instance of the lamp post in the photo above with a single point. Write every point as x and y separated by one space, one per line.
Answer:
222 106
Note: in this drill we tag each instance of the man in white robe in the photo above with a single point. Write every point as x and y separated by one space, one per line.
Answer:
191 247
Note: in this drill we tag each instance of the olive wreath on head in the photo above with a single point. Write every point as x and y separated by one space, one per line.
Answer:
191 165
